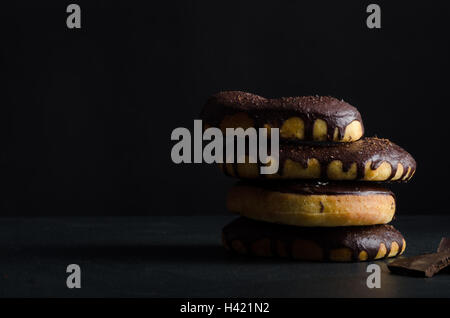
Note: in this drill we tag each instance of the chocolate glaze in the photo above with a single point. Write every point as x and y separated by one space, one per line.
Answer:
310 187
336 113
356 238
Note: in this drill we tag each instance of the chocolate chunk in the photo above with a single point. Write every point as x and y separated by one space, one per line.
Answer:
444 246
423 265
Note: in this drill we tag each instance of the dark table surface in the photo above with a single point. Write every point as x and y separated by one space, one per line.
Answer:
183 257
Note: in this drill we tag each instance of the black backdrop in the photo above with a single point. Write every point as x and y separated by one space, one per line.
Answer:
86 115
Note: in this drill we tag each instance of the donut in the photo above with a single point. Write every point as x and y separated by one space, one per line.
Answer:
368 159
336 244
308 118
311 204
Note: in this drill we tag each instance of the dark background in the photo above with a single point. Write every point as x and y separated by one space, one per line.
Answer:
86 115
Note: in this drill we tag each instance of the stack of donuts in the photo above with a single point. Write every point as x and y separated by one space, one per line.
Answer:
329 200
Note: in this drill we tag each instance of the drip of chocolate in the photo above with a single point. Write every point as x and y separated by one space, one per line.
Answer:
426 265
336 113
356 238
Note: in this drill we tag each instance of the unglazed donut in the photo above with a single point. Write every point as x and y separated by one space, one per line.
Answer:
312 204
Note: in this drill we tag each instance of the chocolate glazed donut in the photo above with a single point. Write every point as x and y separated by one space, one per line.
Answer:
368 159
318 118
371 149
354 243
